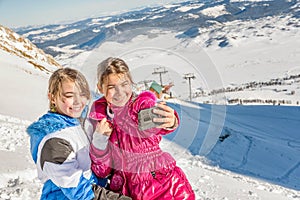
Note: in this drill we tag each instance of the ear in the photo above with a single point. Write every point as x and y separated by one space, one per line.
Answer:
51 98
100 88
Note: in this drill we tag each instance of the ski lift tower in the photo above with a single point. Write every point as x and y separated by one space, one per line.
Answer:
160 71
190 76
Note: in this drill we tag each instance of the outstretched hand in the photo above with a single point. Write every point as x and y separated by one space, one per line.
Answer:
168 118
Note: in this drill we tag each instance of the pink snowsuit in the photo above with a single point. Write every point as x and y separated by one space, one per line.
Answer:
133 158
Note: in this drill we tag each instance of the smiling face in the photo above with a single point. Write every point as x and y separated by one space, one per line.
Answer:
117 89
70 100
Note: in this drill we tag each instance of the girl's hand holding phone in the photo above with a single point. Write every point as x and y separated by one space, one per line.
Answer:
168 118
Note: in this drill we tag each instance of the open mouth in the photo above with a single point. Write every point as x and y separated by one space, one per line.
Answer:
76 108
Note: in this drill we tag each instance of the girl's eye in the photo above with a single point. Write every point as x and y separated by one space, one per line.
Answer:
68 95
110 87
125 84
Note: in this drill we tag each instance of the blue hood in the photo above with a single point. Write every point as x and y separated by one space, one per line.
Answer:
48 123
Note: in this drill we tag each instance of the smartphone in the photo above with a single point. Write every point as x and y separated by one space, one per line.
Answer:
145 118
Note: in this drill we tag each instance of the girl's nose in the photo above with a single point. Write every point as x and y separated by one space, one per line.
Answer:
117 89
76 98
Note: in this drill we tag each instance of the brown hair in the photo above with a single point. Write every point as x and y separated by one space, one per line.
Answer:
112 66
67 74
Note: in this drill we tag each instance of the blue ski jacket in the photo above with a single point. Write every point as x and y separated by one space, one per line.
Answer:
60 149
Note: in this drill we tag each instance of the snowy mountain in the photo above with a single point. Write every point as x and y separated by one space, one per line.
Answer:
220 29
13 43
25 70
188 19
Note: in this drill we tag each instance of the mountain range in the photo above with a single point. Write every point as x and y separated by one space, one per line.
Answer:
190 19
227 25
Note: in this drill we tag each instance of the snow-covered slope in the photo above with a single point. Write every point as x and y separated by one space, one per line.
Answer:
25 70
253 158
244 139
15 44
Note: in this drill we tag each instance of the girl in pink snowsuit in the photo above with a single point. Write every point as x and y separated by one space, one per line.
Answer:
129 157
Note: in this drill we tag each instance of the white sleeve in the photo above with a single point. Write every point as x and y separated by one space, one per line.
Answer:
89 129
59 161
100 140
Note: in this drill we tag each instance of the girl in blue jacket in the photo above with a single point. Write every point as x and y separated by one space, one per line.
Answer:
60 146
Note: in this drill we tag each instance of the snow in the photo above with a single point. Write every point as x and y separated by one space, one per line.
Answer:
227 151
249 0
44 30
168 6
22 88
66 33
123 22
215 11
19 178
156 17
193 16
187 8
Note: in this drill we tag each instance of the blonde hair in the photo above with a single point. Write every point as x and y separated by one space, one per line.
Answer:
67 74
112 66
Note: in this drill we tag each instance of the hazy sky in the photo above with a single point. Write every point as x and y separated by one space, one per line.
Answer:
18 13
